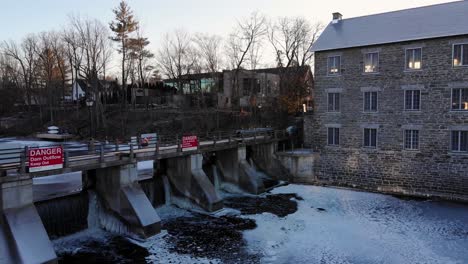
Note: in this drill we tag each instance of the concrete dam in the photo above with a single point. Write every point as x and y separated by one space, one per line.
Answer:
114 198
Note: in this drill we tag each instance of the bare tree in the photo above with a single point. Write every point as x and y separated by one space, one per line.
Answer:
177 57
90 49
292 39
24 54
242 43
209 49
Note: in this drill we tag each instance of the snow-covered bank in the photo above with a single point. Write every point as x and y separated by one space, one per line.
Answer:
343 226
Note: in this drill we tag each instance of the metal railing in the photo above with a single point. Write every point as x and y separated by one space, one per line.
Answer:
17 158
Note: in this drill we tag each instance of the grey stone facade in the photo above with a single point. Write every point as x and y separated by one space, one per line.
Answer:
433 169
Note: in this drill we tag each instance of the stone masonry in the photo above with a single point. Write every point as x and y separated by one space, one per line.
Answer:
433 170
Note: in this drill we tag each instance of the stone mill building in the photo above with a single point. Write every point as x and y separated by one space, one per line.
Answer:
391 95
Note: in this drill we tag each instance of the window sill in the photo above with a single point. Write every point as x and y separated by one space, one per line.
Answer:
370 73
410 71
459 111
460 66
333 75
331 112
332 146
370 149
412 151
370 112
412 111
454 153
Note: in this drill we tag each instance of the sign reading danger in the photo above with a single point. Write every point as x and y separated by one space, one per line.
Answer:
189 143
42 159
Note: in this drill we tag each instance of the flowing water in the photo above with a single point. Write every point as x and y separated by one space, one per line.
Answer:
295 224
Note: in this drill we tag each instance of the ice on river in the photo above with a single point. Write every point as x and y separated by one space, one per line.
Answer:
343 226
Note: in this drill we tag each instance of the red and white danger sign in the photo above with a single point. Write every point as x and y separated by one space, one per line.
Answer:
42 159
189 143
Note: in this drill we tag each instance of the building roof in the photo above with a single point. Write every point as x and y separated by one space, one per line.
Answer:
441 20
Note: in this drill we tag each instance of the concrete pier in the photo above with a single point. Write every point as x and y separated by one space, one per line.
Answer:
236 170
23 238
300 164
118 187
187 177
264 156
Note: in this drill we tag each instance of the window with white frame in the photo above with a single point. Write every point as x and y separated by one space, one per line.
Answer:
411 139
370 101
371 62
333 102
460 55
459 141
413 100
460 99
333 136
334 65
414 59
370 137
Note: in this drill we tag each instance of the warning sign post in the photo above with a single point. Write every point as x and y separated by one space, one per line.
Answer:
43 159
189 143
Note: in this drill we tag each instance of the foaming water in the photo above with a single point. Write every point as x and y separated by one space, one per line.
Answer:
343 226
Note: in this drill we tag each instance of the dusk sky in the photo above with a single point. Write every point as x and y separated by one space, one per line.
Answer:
21 17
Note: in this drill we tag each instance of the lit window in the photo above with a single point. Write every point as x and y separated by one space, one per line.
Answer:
460 55
333 136
411 139
333 102
412 100
370 137
460 99
334 65
370 101
414 59
460 141
371 62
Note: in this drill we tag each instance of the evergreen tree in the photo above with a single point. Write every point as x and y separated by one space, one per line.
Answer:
123 26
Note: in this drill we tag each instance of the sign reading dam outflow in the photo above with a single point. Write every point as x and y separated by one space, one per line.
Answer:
189 143
42 159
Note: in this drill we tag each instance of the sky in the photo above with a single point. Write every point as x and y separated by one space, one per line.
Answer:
20 17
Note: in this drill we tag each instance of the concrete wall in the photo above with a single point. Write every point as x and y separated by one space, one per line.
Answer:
264 156
431 170
236 170
300 165
187 178
118 187
23 238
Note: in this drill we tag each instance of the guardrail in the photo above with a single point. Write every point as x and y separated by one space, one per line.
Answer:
100 152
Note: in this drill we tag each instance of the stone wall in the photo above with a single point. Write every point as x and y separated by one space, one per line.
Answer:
433 169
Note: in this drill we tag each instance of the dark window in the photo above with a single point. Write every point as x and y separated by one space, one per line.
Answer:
414 59
370 101
460 141
460 55
412 139
460 99
334 65
370 137
333 102
333 136
247 86
413 100
371 62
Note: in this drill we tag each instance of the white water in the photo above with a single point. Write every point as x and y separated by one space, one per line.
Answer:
360 227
